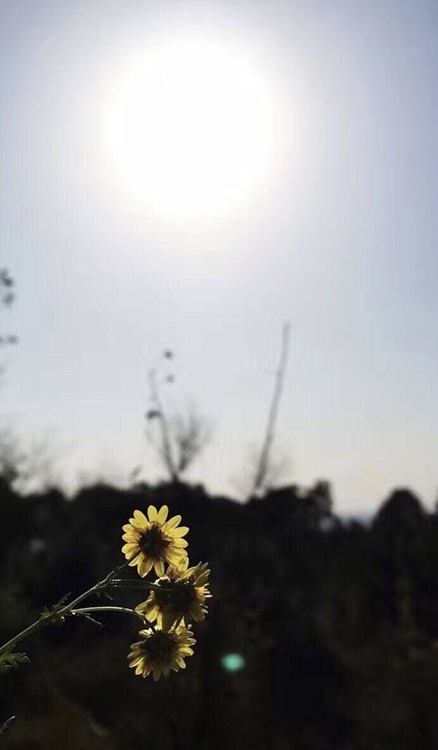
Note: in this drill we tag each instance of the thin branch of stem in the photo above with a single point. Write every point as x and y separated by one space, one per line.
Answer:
130 583
166 443
122 610
263 462
24 634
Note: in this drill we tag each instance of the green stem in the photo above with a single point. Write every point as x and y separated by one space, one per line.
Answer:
24 634
45 620
123 610
142 585
59 613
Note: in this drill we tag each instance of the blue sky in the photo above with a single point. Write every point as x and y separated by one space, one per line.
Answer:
340 241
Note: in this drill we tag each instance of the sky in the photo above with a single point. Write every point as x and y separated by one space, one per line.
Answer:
328 223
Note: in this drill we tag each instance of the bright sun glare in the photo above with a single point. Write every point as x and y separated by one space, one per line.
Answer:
191 129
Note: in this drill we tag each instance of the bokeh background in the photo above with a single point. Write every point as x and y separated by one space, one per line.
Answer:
335 232
218 229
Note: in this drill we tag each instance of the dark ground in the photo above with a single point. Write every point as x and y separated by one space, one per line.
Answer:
336 621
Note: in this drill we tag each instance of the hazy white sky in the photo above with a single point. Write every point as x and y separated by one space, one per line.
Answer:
338 237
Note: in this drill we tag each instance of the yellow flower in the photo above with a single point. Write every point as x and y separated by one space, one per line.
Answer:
154 541
183 595
159 651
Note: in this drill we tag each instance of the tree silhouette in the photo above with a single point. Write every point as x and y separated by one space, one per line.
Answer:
181 436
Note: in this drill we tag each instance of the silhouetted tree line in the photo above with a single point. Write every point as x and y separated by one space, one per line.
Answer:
336 623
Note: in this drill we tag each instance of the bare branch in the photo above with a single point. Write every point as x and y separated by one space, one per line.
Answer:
181 436
191 433
158 413
263 466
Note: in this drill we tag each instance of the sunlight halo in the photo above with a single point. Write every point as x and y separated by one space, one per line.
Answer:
191 129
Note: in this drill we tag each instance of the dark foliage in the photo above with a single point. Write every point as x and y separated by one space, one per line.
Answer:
336 624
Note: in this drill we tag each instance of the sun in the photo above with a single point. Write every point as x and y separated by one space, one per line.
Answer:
191 128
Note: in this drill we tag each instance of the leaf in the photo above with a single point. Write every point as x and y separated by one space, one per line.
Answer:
86 616
52 614
12 660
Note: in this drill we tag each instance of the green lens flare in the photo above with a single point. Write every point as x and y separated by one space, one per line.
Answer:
232 662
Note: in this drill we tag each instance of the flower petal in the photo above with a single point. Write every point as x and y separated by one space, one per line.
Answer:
144 567
129 548
162 514
152 513
140 517
172 523
174 556
159 568
180 542
180 531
